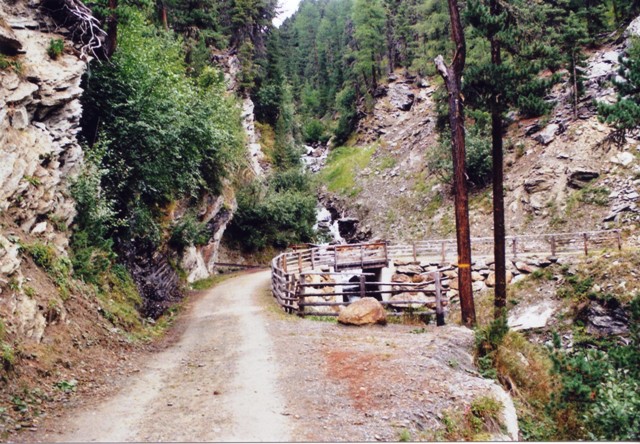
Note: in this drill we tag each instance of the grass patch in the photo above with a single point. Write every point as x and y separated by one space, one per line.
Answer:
342 166
211 281
385 162
479 422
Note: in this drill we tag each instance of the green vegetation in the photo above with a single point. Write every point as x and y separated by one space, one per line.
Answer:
625 113
59 268
575 393
477 423
67 386
342 166
55 48
278 215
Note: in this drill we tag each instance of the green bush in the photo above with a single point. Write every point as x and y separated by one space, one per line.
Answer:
187 232
266 217
314 132
168 135
478 155
55 49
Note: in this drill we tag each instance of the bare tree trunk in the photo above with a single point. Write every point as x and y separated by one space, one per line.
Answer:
500 290
575 86
163 15
452 76
112 29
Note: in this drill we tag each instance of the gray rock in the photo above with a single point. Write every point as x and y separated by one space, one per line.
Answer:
579 178
20 118
401 97
625 159
548 134
410 269
605 318
9 43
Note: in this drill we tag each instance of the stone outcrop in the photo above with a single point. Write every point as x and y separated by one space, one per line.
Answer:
39 118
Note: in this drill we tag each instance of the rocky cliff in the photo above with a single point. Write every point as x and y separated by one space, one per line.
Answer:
39 119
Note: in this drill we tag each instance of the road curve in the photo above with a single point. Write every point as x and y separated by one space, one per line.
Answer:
217 383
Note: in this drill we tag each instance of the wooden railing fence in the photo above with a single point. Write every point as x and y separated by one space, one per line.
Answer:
292 272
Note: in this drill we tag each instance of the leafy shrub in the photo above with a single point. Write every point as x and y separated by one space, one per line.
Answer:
169 135
290 180
314 132
266 217
346 104
187 232
55 49
478 156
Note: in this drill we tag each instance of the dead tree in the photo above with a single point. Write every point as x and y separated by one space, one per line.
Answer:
83 27
452 76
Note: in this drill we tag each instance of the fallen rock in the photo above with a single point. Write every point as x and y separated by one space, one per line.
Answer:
537 184
524 267
400 278
625 159
9 43
605 318
491 279
421 298
401 97
362 312
535 316
548 134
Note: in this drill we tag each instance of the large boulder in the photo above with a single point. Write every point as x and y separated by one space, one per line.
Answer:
401 97
548 134
362 312
491 279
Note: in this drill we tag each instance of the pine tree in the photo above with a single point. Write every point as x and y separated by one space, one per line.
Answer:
624 115
369 21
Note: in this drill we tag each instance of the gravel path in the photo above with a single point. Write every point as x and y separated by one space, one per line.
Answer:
217 383
242 370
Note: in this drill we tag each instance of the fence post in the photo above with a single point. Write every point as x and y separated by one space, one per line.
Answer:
335 258
439 311
619 239
415 256
386 253
586 247
299 262
514 245
444 252
313 259
362 286
284 262
553 246
301 298
361 256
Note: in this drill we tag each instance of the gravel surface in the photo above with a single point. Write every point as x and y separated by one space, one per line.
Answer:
242 370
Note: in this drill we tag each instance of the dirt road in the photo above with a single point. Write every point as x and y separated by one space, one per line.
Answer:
217 383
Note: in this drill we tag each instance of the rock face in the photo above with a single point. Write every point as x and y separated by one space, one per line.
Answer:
362 312
39 154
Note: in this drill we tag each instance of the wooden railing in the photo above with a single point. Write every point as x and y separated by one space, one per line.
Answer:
293 271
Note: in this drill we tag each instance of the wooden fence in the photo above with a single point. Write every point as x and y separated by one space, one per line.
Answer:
302 278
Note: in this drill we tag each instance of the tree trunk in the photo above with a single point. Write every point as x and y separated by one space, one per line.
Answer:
500 290
575 85
112 29
452 76
163 15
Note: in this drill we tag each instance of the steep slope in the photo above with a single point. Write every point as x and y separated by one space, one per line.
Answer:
561 174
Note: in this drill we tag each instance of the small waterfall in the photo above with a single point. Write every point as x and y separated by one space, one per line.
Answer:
327 227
